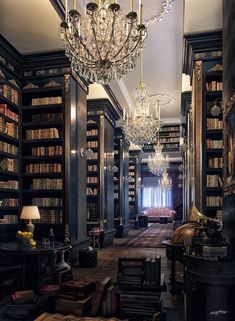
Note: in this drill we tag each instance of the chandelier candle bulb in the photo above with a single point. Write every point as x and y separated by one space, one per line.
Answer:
140 12
132 5
66 9
74 4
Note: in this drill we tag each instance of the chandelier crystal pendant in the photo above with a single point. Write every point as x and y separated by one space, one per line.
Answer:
141 127
103 44
165 182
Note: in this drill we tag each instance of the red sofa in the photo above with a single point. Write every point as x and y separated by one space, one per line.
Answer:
154 214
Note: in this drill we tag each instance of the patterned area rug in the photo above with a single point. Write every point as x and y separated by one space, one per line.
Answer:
150 237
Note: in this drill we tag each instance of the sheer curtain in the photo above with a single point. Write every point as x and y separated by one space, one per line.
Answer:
153 195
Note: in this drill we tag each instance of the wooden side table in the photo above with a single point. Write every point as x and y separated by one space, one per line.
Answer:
94 235
176 252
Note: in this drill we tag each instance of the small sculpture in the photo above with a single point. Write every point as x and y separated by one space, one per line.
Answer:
52 237
67 234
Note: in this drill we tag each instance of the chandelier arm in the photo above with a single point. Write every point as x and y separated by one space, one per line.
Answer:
133 49
94 35
73 49
127 39
112 34
75 56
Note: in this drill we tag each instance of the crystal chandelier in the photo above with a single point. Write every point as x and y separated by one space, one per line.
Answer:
103 44
159 162
166 182
141 127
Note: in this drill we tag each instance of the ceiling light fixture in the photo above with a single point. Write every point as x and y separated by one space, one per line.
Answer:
159 163
165 182
103 44
141 128
166 8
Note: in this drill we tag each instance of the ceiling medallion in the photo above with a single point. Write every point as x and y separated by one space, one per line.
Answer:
166 8
103 44
142 126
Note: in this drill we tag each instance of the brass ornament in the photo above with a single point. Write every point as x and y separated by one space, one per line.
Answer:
67 82
198 69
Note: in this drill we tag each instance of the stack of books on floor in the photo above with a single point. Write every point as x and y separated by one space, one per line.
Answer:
75 297
140 299
47 295
131 270
23 304
105 299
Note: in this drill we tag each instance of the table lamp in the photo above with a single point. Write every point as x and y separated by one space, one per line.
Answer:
30 213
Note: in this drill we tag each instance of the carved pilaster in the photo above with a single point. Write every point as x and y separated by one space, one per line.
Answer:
67 82
198 69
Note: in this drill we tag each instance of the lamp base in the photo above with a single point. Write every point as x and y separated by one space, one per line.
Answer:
30 227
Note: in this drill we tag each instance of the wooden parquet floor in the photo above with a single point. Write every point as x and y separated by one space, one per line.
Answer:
108 263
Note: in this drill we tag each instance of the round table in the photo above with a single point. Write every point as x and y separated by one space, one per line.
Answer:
38 263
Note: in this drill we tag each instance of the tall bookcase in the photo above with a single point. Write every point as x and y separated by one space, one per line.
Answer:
10 181
43 153
134 179
100 176
121 202
212 129
207 128
49 101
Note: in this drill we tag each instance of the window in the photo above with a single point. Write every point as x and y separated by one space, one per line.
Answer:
153 195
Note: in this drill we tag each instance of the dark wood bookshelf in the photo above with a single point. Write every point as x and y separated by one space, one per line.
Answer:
10 165
134 178
101 119
211 133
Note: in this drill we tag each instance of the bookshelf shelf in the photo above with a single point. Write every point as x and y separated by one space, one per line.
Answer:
9 190
30 175
41 90
41 107
4 100
8 119
9 139
42 140
44 125
42 158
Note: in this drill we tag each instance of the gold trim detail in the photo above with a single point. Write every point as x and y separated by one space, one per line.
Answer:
217 53
217 67
200 55
67 82
102 121
198 69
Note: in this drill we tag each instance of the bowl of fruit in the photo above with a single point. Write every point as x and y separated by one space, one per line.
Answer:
24 238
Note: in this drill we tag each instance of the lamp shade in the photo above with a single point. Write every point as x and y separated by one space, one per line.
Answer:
29 213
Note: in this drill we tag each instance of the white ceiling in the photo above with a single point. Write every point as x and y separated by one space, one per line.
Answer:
33 27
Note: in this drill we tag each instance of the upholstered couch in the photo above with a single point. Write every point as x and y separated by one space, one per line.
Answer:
154 214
